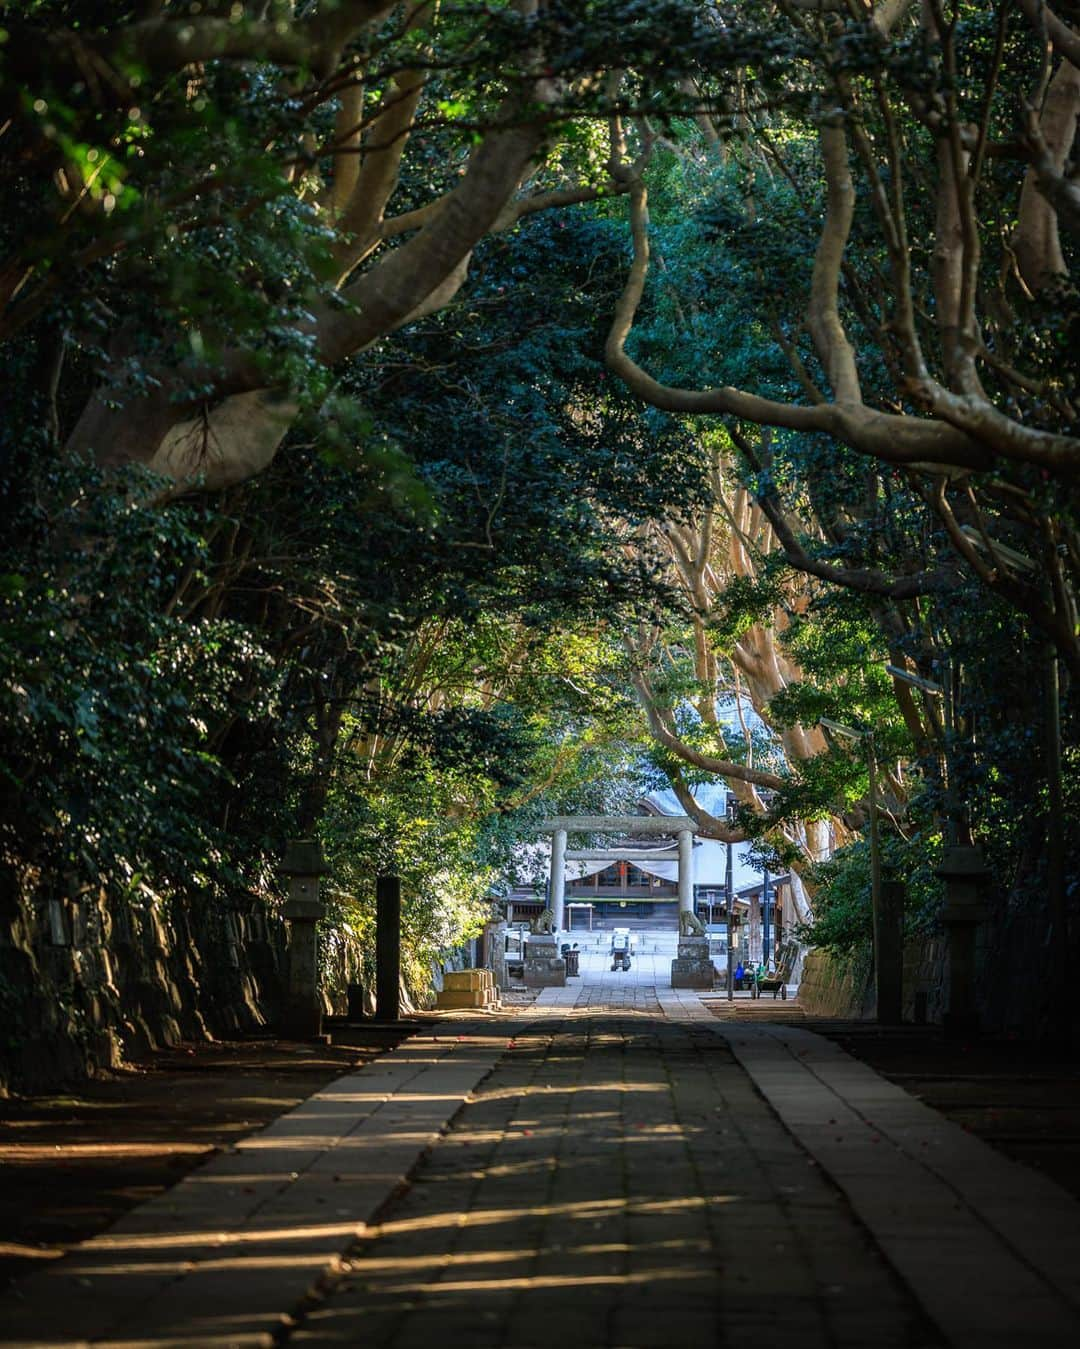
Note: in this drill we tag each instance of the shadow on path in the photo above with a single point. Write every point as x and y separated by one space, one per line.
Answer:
616 1181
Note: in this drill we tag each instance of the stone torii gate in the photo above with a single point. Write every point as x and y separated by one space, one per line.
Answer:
682 826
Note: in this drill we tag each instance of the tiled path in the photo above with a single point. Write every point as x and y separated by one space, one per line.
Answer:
611 1167
230 1252
617 1181
632 998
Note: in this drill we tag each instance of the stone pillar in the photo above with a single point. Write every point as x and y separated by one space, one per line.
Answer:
753 939
962 870
498 955
558 878
692 966
686 871
387 948
889 953
303 865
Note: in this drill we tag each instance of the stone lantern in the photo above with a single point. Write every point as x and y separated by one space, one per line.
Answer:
303 865
963 871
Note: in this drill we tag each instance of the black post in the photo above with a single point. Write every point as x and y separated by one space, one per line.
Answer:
890 955
765 920
732 813
730 887
387 948
1058 973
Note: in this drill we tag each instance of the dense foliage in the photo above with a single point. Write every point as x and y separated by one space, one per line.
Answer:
417 418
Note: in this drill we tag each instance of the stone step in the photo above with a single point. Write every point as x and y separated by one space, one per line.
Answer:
468 980
451 998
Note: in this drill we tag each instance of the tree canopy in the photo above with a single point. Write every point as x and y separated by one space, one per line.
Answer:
419 417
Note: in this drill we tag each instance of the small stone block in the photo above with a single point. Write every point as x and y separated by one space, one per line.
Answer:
544 979
461 998
463 980
692 973
545 973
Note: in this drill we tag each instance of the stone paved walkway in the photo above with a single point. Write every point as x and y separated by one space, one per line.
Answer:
633 998
227 1255
614 1167
617 1181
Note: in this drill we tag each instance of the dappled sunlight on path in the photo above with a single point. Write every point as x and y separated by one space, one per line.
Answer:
612 1166
615 1181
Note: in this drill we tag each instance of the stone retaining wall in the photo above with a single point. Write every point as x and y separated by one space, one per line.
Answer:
90 980
833 986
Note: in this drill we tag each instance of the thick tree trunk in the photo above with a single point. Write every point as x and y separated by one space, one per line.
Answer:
230 437
224 445
1036 242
